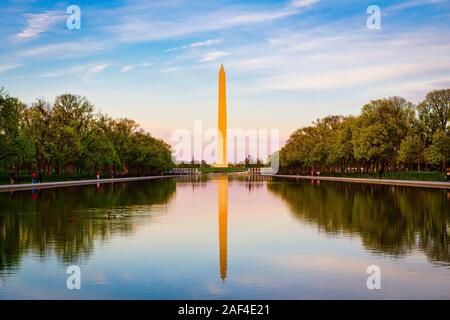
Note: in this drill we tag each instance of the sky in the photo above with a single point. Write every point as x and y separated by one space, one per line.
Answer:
287 62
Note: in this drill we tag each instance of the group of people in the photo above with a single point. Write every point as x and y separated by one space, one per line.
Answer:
315 173
14 177
36 177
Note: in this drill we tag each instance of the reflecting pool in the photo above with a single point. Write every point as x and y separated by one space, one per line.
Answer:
225 237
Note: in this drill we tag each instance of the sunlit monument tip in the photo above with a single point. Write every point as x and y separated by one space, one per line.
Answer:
222 120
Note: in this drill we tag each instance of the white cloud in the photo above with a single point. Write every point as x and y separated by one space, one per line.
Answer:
206 43
39 23
171 69
125 69
92 71
130 67
334 57
58 73
303 3
141 29
65 49
413 4
7 67
213 56
84 71
257 17
88 70
345 77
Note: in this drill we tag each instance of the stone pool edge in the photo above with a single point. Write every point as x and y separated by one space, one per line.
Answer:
390 182
62 184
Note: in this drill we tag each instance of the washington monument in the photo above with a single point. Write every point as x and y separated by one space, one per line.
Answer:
222 121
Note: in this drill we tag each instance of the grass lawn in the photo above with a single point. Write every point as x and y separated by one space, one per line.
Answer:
205 170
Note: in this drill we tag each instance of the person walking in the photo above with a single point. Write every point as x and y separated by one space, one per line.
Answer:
34 177
98 175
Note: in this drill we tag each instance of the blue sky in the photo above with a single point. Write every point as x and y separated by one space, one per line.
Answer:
287 62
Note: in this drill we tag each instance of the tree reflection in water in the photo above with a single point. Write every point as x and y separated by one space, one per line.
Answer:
389 220
68 221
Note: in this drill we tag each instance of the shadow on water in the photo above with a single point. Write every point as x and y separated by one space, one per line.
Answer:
67 221
389 220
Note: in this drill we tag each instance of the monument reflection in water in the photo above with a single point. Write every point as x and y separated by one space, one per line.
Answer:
222 200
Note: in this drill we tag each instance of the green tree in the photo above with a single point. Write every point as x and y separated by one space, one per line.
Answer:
411 150
380 129
434 113
68 137
439 151
71 117
340 145
98 151
42 134
14 143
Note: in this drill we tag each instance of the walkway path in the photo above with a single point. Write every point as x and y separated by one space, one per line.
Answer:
47 185
406 183
60 184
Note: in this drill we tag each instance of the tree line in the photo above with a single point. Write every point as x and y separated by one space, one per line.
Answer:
67 137
390 134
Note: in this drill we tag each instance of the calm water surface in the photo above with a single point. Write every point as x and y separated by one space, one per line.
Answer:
224 237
